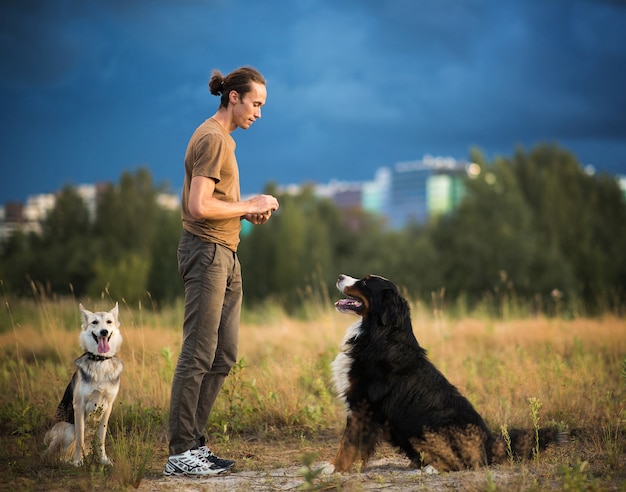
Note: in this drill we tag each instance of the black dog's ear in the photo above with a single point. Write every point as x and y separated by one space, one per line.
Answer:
393 308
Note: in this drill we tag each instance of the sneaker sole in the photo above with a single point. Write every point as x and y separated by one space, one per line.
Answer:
196 475
213 473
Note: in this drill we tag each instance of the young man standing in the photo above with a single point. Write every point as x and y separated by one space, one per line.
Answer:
212 211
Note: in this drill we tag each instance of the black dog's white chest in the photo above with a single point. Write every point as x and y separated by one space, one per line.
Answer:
343 362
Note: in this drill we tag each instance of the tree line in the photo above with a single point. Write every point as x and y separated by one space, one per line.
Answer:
533 228
128 251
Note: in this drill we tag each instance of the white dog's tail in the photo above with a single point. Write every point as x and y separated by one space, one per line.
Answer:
60 441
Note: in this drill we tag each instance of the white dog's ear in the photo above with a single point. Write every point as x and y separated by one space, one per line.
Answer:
115 311
84 313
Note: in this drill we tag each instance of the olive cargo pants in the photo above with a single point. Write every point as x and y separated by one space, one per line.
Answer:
213 293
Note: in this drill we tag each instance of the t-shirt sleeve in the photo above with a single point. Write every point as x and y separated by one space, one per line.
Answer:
209 155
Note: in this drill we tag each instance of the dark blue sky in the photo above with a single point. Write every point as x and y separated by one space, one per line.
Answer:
90 89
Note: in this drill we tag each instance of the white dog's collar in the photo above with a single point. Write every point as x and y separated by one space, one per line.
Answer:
97 357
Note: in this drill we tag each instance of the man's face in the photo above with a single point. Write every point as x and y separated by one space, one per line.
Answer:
247 109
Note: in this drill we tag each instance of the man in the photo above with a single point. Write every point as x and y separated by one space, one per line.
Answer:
212 211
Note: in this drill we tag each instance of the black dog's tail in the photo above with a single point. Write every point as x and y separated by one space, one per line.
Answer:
515 444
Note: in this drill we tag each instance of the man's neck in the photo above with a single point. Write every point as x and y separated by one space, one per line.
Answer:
222 116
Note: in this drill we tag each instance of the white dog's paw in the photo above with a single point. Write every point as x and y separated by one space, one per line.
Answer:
430 470
328 469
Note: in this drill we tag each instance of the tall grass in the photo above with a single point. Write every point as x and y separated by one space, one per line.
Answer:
281 386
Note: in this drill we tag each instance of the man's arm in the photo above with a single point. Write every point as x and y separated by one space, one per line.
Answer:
203 205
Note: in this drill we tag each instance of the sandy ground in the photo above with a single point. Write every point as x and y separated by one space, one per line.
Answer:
389 474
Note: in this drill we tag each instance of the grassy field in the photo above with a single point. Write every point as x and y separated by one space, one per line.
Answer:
277 408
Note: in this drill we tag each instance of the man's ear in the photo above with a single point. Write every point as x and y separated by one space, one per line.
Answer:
233 97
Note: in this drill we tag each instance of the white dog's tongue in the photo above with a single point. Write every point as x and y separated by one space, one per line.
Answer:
103 345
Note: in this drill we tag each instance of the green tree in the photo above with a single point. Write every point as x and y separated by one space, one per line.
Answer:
579 220
126 227
276 258
164 283
129 251
487 246
293 256
415 262
64 249
362 248
16 258
124 278
126 216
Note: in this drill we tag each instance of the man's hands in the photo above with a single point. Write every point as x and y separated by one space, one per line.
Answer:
258 218
261 208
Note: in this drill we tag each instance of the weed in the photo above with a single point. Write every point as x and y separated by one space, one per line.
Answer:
507 441
612 439
166 369
576 477
310 474
21 418
236 396
535 405
490 483
133 448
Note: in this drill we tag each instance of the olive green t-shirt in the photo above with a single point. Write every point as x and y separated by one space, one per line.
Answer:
211 153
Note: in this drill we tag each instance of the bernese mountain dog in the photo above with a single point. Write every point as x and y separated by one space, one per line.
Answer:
393 393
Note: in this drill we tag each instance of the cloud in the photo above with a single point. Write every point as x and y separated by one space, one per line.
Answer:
352 85
34 50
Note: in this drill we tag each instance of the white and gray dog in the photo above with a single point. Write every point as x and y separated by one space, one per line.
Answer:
94 386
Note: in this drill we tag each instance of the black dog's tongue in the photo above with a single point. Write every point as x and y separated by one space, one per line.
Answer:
348 304
103 345
343 303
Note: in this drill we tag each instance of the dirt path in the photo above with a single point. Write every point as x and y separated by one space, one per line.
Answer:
389 474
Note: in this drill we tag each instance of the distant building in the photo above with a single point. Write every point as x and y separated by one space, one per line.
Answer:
416 191
13 212
11 217
90 194
408 192
168 201
444 191
376 193
621 181
345 194
36 209
28 217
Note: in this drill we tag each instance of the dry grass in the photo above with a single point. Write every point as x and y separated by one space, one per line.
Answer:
278 405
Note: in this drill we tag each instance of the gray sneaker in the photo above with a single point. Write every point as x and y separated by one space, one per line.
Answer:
191 464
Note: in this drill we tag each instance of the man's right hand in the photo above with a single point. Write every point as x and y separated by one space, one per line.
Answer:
263 204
